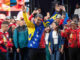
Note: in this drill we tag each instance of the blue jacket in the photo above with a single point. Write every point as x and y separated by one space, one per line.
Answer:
35 32
66 18
60 41
20 37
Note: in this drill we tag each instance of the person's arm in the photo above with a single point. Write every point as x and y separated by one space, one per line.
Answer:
66 18
75 12
30 25
49 40
15 40
49 43
61 46
15 36
63 33
27 21
49 21
1 40
32 15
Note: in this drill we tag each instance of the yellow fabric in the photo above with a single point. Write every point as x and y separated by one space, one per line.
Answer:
30 26
46 23
54 17
49 44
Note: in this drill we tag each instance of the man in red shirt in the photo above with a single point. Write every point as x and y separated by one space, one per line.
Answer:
74 52
78 32
5 44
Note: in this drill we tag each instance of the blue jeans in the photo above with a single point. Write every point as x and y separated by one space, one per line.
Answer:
17 56
55 55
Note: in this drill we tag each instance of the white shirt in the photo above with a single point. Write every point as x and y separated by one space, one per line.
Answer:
46 37
55 37
77 11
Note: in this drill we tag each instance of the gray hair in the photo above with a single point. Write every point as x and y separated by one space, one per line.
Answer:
39 15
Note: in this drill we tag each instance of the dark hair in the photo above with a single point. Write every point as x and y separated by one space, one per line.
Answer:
58 30
75 16
56 23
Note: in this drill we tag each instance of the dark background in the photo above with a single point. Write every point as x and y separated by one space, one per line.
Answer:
46 5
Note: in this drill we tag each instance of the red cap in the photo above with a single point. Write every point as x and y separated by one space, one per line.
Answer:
68 20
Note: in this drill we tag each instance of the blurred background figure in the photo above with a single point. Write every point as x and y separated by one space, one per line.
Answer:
3 6
77 10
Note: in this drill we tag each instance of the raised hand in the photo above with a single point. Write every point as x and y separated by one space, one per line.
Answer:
48 14
34 12
57 8
23 8
63 8
18 50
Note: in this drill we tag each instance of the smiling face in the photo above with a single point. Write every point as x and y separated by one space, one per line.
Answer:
54 26
38 20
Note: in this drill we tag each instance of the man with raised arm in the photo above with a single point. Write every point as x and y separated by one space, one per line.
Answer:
35 30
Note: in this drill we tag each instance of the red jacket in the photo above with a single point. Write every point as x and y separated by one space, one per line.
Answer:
3 45
61 21
73 39
65 35
78 36
31 17
42 41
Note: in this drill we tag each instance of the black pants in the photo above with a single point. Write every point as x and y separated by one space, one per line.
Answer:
66 53
74 53
3 56
24 52
36 54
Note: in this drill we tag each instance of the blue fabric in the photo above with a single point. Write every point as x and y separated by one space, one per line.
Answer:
12 1
34 42
65 20
20 38
55 56
60 41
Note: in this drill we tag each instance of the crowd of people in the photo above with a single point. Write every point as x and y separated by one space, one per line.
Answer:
35 37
